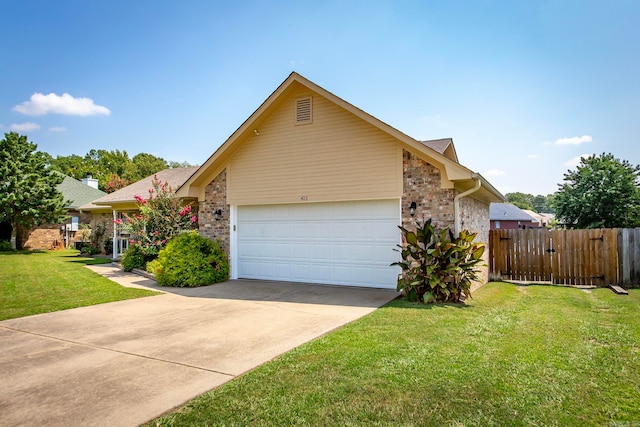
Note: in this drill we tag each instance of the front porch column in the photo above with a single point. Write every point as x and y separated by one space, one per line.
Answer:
115 235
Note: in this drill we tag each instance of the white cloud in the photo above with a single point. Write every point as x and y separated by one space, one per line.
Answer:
24 127
494 172
572 163
58 129
41 104
575 140
533 156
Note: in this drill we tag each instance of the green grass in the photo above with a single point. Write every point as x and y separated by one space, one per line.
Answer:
42 282
514 356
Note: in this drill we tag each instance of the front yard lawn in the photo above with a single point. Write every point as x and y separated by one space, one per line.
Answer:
41 282
514 356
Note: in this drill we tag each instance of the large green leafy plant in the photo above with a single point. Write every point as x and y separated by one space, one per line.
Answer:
436 266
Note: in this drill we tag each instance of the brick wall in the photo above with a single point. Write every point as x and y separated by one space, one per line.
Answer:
474 217
422 182
210 225
103 220
43 237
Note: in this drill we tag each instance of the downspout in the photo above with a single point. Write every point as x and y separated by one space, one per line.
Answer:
456 201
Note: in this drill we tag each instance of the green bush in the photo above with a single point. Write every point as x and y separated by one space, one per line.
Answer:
154 267
190 260
108 246
133 258
436 267
5 246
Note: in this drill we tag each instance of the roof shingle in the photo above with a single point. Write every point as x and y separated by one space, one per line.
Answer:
174 177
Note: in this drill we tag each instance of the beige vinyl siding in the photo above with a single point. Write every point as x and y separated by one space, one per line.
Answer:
335 157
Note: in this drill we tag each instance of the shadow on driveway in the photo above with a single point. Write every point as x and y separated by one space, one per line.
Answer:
260 290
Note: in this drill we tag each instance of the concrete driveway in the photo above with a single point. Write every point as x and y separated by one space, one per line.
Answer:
126 362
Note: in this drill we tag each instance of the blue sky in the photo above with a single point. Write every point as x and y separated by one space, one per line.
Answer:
524 88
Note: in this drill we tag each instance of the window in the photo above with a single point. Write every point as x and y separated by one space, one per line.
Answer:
303 110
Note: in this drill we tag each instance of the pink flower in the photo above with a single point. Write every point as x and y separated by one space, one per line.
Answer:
117 221
140 200
185 210
194 218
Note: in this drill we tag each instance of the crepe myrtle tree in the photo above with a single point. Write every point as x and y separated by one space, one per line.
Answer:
28 193
160 218
603 192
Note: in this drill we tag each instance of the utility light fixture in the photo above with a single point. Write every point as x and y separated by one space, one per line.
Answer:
412 208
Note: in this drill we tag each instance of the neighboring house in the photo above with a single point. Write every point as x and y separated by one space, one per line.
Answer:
77 193
312 189
507 216
111 207
542 219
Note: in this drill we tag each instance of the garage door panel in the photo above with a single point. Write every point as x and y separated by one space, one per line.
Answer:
347 243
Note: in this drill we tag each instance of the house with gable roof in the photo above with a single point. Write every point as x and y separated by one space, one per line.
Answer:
111 207
508 216
312 189
75 193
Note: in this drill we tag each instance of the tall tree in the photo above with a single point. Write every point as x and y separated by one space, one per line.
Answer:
147 164
543 204
603 192
28 193
521 200
113 169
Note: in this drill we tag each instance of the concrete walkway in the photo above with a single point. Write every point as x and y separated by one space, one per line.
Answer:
127 362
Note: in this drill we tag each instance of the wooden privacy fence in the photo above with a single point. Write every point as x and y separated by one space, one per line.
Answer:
600 257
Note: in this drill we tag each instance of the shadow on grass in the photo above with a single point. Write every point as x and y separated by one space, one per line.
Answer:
88 261
22 252
401 302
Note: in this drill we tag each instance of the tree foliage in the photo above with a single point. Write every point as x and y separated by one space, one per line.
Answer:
603 192
113 169
539 203
28 193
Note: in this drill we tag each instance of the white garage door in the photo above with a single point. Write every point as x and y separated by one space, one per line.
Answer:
345 243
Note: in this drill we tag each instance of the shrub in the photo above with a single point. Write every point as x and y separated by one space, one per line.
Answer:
133 258
98 231
154 267
108 246
159 219
190 260
436 267
5 246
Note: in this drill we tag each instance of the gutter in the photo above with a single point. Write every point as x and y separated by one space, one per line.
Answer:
456 200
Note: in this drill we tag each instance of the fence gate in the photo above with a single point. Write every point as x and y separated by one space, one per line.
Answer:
629 256
573 257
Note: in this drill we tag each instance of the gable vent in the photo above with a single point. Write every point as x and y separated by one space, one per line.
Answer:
303 110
